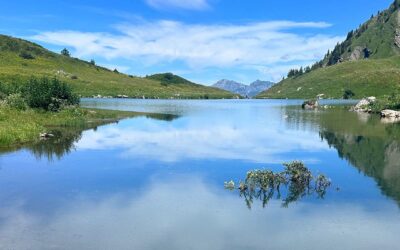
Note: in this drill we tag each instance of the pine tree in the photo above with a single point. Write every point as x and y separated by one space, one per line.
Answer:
65 52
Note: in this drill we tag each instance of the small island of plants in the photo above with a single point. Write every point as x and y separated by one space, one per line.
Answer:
293 183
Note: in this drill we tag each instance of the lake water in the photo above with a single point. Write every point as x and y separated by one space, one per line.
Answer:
157 181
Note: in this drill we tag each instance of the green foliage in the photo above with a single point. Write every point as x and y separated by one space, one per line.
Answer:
386 102
348 94
265 184
49 94
169 78
16 101
92 62
65 52
26 55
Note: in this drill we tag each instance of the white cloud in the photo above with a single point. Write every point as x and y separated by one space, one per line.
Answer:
192 214
181 4
252 45
220 141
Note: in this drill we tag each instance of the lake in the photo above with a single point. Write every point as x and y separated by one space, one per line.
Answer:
157 181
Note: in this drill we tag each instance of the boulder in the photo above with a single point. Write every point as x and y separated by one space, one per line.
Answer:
310 104
45 135
387 113
363 105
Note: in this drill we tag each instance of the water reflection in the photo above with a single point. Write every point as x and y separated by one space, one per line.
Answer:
188 213
156 183
368 144
65 138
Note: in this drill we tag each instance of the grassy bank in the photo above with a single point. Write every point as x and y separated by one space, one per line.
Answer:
23 126
374 77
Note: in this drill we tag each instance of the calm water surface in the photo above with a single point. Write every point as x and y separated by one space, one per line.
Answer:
156 181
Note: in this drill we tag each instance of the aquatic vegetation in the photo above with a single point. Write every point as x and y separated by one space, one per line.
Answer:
296 179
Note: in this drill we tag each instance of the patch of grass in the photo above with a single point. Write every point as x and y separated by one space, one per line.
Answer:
23 126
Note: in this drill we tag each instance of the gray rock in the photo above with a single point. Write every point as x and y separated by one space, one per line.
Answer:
387 113
363 105
310 104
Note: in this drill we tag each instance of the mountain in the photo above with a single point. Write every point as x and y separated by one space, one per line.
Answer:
21 59
258 86
244 90
366 62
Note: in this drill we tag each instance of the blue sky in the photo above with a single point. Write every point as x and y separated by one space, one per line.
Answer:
202 40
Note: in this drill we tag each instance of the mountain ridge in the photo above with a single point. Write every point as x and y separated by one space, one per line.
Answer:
366 62
21 59
244 90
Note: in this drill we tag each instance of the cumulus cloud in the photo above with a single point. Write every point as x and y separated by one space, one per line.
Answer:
262 45
192 214
221 141
181 4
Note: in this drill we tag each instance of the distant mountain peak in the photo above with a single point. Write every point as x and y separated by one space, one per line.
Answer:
251 90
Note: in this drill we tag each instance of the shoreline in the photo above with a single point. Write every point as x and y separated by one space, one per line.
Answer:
18 128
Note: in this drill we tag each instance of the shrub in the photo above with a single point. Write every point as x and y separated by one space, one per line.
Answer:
65 52
74 77
49 94
387 102
16 101
348 94
26 55
92 62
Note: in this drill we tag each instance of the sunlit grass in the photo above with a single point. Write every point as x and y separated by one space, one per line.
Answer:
18 127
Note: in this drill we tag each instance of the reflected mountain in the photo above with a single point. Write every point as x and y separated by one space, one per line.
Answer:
64 139
363 140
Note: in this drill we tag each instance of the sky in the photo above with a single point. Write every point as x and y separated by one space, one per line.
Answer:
201 40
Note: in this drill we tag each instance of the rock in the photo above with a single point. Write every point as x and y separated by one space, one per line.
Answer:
310 104
122 96
387 113
320 96
299 88
363 105
45 135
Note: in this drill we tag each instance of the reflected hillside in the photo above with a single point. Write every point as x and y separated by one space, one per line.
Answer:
63 142
368 144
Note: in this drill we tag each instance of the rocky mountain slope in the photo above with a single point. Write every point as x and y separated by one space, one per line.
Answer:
367 63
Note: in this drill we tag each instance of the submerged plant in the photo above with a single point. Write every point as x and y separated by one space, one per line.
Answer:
296 178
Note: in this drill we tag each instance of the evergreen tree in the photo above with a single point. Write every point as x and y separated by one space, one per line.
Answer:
65 52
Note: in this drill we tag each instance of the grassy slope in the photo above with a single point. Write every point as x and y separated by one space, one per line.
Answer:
376 76
92 80
19 127
373 77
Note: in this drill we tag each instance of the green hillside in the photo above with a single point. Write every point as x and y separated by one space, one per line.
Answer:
20 60
374 77
367 63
